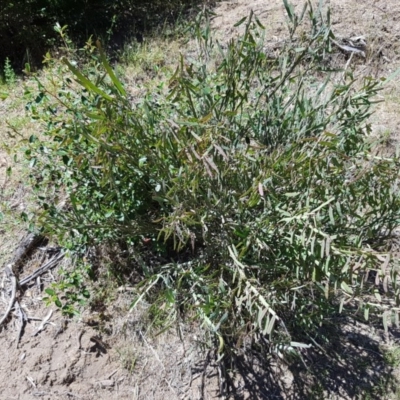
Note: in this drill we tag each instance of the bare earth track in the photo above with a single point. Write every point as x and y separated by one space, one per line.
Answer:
106 354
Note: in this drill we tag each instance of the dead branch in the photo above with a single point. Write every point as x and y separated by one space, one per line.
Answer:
349 49
45 321
49 265
27 244
22 319
13 279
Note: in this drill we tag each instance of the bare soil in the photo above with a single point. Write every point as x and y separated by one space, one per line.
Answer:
108 353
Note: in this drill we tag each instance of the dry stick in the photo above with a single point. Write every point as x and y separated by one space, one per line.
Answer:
13 279
80 334
27 244
23 249
23 318
349 49
347 65
45 321
51 264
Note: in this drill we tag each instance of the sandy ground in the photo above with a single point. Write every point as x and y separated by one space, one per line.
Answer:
108 354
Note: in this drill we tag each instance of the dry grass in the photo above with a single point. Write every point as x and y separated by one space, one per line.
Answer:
148 66
15 193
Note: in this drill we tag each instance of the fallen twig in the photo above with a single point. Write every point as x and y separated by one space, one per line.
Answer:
25 247
349 49
112 373
44 323
31 381
50 264
22 318
80 334
13 279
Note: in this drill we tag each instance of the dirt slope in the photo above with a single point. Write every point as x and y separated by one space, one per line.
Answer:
107 355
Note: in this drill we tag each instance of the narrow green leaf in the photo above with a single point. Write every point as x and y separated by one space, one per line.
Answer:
240 22
326 292
339 209
328 246
86 82
271 324
366 312
386 280
289 10
258 22
261 316
385 264
346 288
109 70
322 248
392 76
96 116
341 306
331 218
385 322
312 244
293 194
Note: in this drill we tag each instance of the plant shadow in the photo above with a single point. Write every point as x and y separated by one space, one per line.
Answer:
351 366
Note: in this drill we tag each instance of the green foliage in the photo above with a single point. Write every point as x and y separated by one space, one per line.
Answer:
260 172
71 292
26 27
392 356
9 74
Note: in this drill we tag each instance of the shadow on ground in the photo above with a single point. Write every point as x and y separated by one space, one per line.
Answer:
351 366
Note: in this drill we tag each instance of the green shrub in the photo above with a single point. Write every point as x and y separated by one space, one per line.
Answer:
26 27
259 171
9 75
